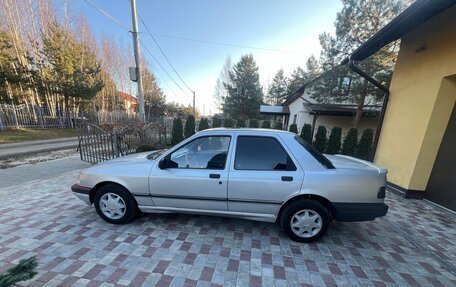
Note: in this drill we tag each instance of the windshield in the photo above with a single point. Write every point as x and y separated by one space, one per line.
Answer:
315 153
156 154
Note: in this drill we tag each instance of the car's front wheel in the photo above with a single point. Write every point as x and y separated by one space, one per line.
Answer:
115 204
305 220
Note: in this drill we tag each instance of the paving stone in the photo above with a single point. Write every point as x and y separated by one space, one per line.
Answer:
77 248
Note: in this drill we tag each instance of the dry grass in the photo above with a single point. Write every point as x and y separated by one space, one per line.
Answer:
21 135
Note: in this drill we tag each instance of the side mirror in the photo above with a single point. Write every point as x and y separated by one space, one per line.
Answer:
163 163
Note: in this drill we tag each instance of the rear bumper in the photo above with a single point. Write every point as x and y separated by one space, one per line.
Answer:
359 211
81 192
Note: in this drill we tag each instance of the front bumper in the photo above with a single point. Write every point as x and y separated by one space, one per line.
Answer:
359 211
81 192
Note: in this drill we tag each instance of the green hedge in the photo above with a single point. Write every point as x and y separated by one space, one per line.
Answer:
216 122
203 124
177 133
189 126
294 128
320 139
350 142
253 123
278 126
334 141
228 123
306 133
266 124
240 123
365 144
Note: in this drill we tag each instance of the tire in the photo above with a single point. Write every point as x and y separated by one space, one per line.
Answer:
315 220
115 204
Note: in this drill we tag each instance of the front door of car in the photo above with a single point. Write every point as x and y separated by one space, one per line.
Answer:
263 175
194 176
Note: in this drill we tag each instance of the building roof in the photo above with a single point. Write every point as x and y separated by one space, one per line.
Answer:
274 110
415 15
127 97
342 110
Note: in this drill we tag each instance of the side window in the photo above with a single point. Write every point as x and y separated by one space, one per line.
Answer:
261 153
202 153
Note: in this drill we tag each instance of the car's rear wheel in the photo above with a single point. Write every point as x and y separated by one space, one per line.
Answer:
115 204
305 220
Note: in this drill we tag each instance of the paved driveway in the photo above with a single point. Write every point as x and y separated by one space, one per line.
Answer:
415 244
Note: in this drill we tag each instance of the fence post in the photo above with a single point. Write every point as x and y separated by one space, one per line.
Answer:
1 122
15 116
116 147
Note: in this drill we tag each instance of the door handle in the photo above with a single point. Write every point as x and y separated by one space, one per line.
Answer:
287 178
214 175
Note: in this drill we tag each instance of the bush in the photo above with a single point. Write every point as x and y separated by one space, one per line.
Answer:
334 141
253 123
25 270
203 124
320 139
350 142
294 128
228 123
240 123
306 133
189 126
145 147
177 133
278 126
216 122
365 144
266 124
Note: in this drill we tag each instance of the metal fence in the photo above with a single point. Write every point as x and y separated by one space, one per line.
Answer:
31 116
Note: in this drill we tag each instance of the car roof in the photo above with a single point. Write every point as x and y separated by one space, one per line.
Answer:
247 130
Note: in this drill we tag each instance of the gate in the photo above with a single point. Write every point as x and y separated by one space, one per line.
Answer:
98 144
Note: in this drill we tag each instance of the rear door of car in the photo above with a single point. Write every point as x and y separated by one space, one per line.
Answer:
263 174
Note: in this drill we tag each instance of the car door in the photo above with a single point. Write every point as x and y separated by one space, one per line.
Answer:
263 175
195 176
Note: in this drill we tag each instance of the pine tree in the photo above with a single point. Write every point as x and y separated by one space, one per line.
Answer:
334 141
244 90
365 144
306 133
253 123
177 133
350 142
216 122
278 92
25 270
294 128
228 123
189 126
203 124
297 79
320 139
240 123
313 68
266 124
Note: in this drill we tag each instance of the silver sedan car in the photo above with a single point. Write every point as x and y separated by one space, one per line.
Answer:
264 175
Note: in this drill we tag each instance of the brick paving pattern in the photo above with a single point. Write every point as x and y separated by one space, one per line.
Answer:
77 248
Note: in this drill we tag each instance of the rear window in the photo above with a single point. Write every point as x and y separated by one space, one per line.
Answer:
315 153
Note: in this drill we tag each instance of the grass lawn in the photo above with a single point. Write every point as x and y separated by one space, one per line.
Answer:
21 135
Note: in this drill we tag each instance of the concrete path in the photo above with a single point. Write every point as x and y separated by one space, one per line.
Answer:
32 147
40 171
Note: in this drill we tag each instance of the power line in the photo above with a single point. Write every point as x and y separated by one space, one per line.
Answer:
106 14
166 72
223 43
163 53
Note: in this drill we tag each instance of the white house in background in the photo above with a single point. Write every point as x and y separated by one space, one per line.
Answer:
300 109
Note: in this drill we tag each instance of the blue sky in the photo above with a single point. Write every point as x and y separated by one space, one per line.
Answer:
291 26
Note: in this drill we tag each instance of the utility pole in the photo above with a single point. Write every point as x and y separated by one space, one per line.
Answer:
137 61
194 115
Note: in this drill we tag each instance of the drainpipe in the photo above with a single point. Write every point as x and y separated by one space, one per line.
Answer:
354 68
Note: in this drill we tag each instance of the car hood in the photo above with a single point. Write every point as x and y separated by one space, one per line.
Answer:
347 162
129 159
